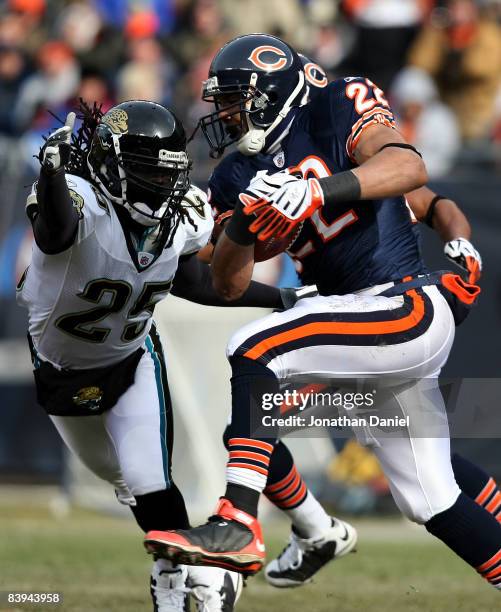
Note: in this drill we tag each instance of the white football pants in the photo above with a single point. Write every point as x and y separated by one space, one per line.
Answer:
366 335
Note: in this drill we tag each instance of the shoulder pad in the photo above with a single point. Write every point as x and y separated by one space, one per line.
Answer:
195 201
198 228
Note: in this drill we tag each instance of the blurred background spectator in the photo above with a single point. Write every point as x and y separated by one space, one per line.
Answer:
425 121
461 49
96 44
54 83
384 29
147 73
13 71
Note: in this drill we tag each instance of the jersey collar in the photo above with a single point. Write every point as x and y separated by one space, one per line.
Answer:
277 135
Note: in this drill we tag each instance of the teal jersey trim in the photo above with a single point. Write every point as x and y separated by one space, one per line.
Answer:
161 400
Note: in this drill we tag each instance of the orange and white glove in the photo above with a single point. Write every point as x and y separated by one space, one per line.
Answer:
464 255
280 202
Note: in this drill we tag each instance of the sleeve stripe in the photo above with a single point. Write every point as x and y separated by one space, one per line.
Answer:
221 217
375 116
369 115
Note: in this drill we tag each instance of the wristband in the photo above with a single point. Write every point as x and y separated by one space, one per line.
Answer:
431 210
237 227
342 187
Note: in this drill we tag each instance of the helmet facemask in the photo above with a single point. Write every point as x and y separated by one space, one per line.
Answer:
253 106
135 172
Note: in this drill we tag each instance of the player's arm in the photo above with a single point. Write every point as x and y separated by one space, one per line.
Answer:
205 254
231 250
447 219
387 166
355 111
50 209
440 213
233 257
193 282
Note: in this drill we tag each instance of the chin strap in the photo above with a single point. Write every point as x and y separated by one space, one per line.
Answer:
135 211
253 141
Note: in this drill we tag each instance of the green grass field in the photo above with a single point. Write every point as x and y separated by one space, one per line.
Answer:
98 564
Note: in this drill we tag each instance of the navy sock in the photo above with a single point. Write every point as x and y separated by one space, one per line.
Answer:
477 484
285 487
249 450
473 534
249 381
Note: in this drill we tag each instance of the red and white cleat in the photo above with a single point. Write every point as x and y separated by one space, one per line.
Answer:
231 539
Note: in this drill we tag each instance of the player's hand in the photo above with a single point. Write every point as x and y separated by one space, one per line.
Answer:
291 295
283 207
464 254
264 185
57 149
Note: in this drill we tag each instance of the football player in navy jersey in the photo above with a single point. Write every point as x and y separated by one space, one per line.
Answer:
317 538
331 175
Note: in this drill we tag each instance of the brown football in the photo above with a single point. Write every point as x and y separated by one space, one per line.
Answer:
263 249
266 249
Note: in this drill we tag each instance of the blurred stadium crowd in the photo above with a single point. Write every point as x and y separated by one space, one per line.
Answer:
439 61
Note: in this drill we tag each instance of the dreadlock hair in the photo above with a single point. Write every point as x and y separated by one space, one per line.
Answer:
177 213
82 139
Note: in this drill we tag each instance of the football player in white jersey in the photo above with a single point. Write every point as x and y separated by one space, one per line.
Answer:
117 224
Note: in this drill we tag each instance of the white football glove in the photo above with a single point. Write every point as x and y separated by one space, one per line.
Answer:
280 202
57 149
264 185
464 255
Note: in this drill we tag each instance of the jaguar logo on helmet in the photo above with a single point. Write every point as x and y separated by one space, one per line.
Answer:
255 58
117 120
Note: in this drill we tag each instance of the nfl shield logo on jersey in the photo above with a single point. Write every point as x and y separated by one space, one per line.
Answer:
279 159
145 258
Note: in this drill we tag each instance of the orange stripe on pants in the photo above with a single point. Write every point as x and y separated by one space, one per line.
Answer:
340 327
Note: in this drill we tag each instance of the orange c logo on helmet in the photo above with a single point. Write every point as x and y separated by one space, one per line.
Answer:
255 58
309 71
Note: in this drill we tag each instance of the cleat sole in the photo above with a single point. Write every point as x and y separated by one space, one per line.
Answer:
246 564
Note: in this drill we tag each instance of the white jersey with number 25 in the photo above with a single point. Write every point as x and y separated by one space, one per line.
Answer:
91 305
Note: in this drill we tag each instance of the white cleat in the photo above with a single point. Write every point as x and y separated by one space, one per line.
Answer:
303 557
214 589
168 587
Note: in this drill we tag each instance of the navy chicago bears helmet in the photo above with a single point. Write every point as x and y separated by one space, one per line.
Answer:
138 159
259 77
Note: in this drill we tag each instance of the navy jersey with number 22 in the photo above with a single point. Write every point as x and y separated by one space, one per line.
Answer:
343 247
